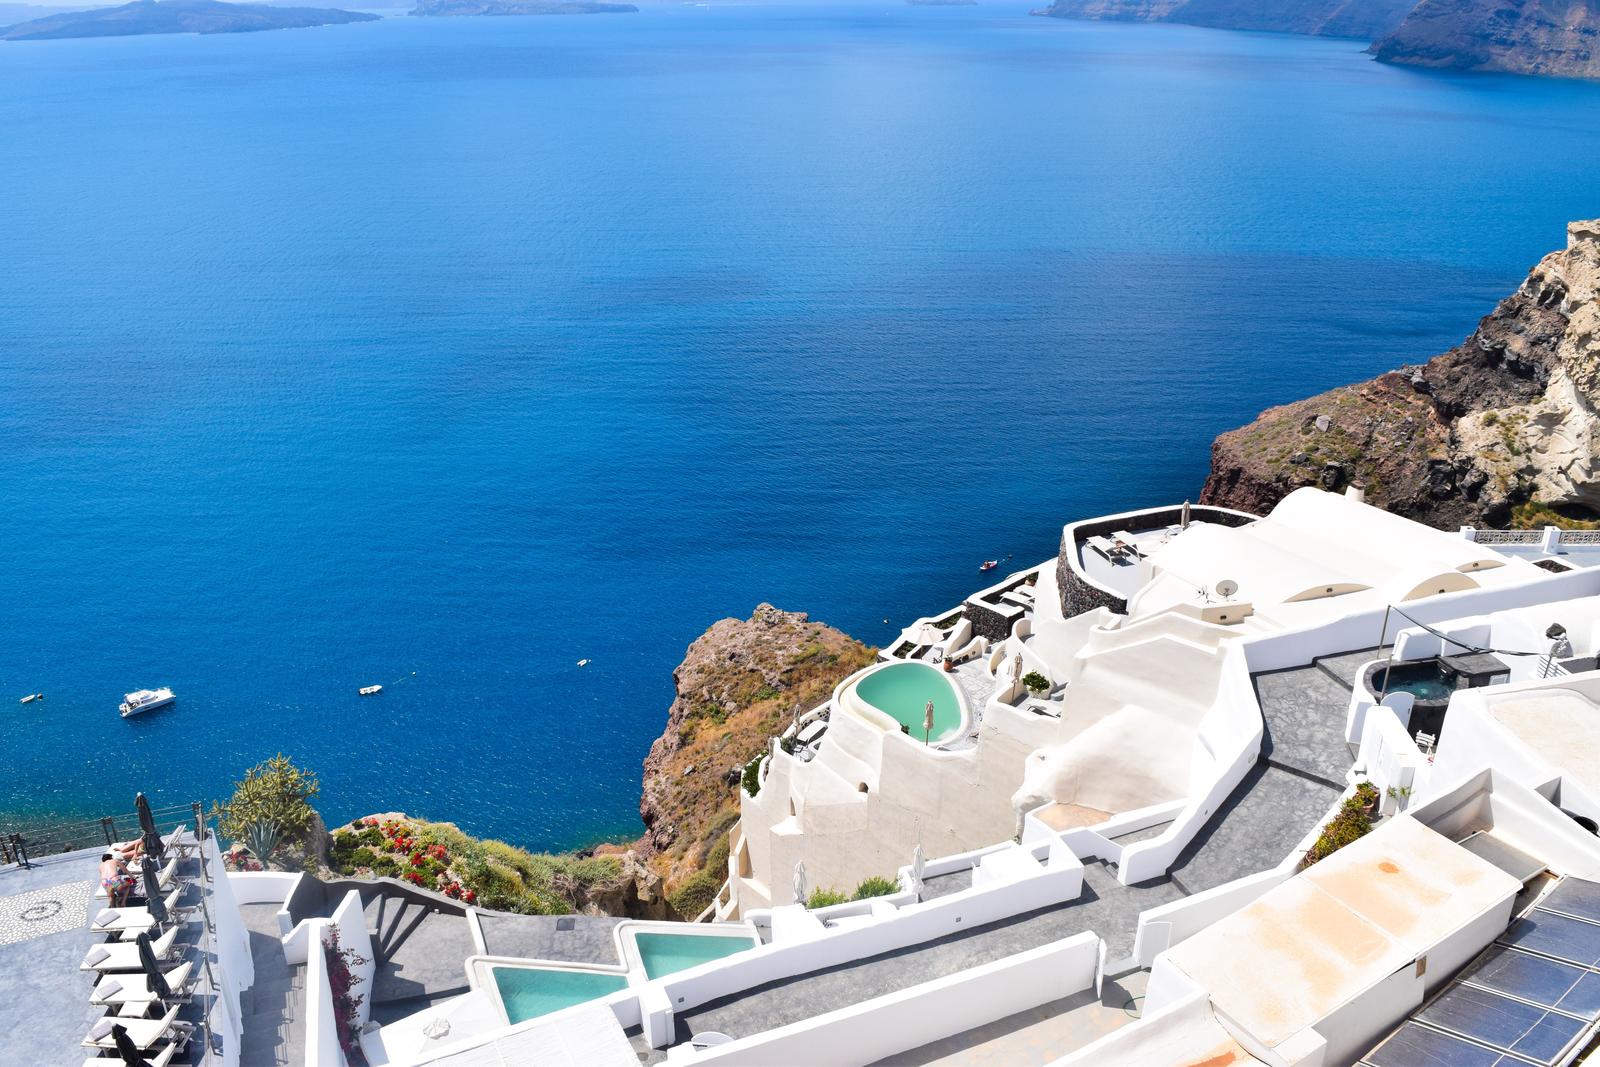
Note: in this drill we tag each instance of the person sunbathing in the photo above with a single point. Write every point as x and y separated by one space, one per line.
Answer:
116 879
130 851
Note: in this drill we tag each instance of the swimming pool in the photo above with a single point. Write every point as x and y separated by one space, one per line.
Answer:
902 691
666 953
529 992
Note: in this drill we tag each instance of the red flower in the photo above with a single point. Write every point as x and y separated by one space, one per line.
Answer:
469 896
416 859
453 890
414 877
438 851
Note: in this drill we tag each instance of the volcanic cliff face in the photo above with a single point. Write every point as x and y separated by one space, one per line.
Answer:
740 684
1501 429
1364 19
1555 37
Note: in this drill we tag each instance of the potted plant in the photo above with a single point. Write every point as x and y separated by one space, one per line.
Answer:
1037 684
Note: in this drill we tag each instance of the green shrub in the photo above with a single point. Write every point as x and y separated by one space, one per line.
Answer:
361 857
1036 682
825 898
696 893
752 775
384 866
370 836
274 791
876 887
1350 823
717 858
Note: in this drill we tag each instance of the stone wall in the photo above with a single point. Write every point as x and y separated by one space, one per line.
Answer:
989 623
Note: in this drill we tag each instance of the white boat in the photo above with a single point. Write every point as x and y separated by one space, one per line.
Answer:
583 663
368 690
143 700
30 698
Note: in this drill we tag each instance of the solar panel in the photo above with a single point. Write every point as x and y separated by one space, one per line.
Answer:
1418 1046
1543 981
1496 1020
1574 896
1560 936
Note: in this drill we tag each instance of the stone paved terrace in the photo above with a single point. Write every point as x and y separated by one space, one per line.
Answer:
274 1007
45 911
1104 905
567 938
1304 758
1038 1035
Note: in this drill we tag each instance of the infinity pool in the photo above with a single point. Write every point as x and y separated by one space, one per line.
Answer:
529 992
902 691
666 953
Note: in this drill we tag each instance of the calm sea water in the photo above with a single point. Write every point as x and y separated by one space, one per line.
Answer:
445 353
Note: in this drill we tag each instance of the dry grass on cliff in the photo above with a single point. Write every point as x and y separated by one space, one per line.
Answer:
732 705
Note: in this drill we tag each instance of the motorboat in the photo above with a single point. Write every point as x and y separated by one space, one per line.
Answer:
368 690
30 698
143 700
988 565
583 663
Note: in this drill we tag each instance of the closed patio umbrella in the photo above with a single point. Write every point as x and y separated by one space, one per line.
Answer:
1183 520
927 722
152 891
152 969
800 882
147 827
126 1048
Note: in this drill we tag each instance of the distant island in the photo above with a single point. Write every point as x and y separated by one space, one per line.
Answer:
1550 37
520 7
1560 38
176 16
942 3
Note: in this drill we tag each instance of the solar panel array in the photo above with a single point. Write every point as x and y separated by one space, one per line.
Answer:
1527 999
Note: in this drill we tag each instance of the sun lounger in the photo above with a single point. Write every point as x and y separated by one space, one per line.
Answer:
130 922
160 1059
164 878
135 988
144 1033
124 955
1102 544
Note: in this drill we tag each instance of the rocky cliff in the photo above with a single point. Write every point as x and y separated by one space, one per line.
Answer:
738 686
1500 430
1554 37
1363 19
177 16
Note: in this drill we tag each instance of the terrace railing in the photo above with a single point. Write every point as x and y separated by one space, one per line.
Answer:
47 838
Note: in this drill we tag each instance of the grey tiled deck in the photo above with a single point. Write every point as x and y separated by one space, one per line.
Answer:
44 998
274 1007
421 953
1304 710
942 885
568 938
1104 905
1270 811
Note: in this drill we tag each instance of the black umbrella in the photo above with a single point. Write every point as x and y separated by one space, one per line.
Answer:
147 827
152 970
152 891
126 1048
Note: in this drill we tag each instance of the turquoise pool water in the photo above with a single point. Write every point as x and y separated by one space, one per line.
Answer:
666 953
903 690
529 992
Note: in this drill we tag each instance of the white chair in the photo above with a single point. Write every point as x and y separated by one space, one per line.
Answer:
122 989
144 1033
116 956
131 922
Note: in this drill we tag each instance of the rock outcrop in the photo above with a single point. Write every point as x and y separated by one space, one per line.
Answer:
1499 430
1362 19
738 686
1552 37
177 16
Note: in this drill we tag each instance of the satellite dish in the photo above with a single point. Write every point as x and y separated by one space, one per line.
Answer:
1227 587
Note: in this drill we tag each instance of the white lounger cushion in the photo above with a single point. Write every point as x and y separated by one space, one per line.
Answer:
135 988
163 878
142 1032
124 955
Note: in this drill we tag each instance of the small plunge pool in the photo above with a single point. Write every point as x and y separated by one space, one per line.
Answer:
902 691
529 992
666 953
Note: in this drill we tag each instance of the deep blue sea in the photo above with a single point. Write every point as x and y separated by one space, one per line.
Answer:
445 353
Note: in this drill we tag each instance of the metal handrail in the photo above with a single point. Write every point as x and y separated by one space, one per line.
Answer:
43 839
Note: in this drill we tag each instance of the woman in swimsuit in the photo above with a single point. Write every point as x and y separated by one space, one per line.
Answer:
116 879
